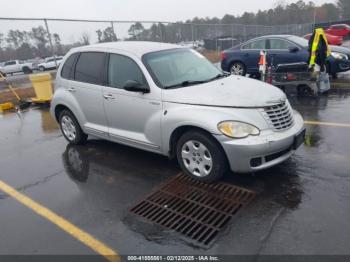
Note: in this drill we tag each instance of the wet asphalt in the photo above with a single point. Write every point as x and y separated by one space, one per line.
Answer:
302 206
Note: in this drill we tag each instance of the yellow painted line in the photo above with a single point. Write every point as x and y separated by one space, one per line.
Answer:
325 124
62 223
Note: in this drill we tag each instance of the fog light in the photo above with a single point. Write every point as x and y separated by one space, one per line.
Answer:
255 162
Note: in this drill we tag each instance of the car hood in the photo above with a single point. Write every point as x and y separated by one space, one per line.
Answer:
231 91
340 49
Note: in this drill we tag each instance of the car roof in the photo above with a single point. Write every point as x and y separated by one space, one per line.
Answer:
271 36
138 48
340 25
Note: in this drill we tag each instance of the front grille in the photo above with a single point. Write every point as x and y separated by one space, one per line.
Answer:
279 117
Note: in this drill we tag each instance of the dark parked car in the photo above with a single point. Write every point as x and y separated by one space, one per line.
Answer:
243 59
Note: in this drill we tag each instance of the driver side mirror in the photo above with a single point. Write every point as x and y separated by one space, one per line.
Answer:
293 49
134 86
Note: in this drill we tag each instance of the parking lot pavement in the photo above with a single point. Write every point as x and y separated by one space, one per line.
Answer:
301 206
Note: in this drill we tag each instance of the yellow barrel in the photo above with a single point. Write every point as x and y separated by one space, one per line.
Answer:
42 87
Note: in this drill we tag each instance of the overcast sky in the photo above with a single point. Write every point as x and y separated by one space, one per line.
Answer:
165 10
158 10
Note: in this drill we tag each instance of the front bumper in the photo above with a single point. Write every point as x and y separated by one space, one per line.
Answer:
340 65
270 146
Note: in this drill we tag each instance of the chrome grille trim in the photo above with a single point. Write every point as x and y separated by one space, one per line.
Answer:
279 117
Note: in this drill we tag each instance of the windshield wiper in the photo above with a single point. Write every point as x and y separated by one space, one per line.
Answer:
216 77
188 82
185 83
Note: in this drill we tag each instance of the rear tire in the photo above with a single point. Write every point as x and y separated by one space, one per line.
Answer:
71 129
41 68
27 70
238 68
201 157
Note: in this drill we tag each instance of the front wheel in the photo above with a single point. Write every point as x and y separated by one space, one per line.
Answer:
238 68
71 129
41 68
200 156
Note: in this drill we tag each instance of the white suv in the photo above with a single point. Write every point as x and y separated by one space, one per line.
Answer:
172 101
50 63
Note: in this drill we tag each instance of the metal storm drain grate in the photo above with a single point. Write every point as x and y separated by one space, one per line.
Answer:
194 209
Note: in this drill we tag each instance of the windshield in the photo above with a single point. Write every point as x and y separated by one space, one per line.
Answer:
299 41
180 67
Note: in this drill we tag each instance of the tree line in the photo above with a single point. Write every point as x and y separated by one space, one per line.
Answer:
17 44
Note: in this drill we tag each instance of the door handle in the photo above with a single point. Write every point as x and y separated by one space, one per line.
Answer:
71 89
108 96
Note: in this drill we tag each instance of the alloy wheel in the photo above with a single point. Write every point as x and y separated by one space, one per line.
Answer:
237 69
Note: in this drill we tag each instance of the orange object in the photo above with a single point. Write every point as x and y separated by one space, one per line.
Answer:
262 60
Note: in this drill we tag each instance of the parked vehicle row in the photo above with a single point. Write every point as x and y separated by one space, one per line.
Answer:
243 59
27 67
171 100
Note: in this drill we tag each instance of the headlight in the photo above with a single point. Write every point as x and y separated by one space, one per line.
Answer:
337 55
236 129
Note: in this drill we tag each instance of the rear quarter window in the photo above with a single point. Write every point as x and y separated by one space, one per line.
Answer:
67 70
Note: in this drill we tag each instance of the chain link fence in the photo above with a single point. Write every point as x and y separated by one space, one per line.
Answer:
28 38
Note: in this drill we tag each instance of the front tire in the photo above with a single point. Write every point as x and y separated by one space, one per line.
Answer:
238 68
71 129
201 157
41 68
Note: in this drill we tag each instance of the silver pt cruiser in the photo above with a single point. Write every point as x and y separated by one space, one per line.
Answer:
172 101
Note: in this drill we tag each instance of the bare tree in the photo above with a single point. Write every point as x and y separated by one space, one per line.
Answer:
85 39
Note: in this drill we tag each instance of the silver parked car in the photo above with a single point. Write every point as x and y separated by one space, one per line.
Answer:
171 100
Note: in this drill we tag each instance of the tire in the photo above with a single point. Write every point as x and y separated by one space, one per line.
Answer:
304 90
27 70
194 150
329 71
238 68
41 68
71 129
3 74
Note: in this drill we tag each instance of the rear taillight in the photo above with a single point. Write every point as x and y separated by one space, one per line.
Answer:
223 56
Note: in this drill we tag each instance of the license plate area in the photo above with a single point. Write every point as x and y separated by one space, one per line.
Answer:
299 139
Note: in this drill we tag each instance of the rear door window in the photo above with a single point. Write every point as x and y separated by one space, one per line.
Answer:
89 67
10 63
67 70
280 44
255 45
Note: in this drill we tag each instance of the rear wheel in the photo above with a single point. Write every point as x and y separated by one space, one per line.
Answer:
26 70
41 68
238 68
71 129
200 156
